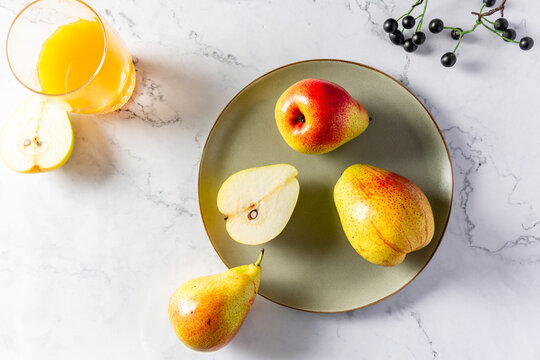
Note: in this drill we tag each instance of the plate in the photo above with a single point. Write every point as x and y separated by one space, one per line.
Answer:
311 265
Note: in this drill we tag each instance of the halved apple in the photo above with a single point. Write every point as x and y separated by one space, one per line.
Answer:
258 202
37 137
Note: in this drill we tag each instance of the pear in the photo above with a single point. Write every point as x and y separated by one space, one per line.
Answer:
258 202
384 215
207 312
316 116
37 137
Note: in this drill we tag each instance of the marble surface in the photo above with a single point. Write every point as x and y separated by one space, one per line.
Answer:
90 253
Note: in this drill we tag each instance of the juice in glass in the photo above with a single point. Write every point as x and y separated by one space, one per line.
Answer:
63 50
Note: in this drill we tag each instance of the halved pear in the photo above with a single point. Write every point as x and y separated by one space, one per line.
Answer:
37 137
258 202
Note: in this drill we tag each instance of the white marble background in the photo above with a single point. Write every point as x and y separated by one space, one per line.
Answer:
90 254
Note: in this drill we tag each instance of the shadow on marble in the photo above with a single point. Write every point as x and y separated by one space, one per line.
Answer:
92 159
425 49
472 66
475 38
275 332
167 94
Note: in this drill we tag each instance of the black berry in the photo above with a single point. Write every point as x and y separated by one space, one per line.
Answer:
418 38
509 34
526 43
408 22
501 24
436 26
489 2
390 25
449 59
396 37
455 34
409 46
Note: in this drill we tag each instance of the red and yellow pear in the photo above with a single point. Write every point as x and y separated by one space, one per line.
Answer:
384 215
316 116
207 312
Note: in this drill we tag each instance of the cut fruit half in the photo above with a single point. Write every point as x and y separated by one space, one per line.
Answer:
37 137
258 202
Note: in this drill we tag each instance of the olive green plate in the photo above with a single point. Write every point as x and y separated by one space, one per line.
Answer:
311 265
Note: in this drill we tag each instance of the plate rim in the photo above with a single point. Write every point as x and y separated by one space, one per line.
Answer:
350 63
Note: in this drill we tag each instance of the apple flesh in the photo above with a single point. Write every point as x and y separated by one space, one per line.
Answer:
258 202
317 116
384 215
37 137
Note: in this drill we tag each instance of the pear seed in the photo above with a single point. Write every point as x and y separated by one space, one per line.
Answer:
253 214
27 142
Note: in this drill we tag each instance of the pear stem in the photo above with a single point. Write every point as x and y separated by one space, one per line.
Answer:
258 263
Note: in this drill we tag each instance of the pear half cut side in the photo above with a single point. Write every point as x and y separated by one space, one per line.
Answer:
258 202
37 137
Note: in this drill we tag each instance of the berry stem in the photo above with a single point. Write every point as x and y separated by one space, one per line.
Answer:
418 2
481 17
461 32
459 42
482 8
419 27
500 8
496 33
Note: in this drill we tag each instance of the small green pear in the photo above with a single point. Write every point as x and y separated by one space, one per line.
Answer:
207 312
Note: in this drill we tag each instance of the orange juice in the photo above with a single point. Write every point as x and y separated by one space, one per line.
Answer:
89 65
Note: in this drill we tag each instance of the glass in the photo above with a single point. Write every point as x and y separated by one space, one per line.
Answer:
64 51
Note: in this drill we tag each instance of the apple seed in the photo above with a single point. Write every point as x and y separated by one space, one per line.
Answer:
27 142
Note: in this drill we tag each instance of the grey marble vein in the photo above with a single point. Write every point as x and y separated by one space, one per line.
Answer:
418 320
149 104
214 52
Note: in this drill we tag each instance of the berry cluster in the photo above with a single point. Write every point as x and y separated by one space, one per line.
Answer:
498 27
408 21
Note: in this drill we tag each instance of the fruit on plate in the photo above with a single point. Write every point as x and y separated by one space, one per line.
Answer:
207 312
384 215
316 116
258 202
37 137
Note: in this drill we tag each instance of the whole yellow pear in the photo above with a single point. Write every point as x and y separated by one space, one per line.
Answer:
384 215
207 312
